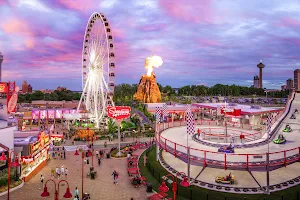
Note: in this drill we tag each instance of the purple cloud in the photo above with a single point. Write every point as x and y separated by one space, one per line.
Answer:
209 42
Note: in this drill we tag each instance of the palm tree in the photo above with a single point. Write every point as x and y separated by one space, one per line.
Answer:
112 127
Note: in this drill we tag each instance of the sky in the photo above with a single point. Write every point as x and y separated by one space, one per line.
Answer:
200 41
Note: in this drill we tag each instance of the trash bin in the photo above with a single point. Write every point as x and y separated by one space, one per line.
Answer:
149 187
107 155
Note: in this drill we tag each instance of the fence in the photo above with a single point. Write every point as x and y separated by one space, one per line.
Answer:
219 159
195 193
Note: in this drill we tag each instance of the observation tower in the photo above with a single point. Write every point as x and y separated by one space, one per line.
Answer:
260 66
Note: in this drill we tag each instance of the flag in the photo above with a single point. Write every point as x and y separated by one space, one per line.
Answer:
270 122
165 110
157 114
190 123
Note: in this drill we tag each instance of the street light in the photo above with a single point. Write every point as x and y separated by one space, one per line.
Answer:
9 163
164 188
82 169
45 193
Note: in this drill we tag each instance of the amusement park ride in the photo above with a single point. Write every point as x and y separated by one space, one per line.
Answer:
98 69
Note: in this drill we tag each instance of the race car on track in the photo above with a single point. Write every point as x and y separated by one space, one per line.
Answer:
226 149
225 180
287 128
280 140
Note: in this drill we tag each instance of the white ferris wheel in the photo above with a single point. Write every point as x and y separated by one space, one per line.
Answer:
98 68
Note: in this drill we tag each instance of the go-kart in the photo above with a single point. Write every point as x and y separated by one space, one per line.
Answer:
225 180
226 149
280 140
287 128
292 116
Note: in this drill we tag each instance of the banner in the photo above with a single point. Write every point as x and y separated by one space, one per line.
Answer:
118 112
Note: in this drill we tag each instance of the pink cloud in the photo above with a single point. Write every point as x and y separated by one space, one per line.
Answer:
193 11
81 5
287 22
208 42
19 27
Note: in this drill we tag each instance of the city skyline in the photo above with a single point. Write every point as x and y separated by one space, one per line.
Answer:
215 42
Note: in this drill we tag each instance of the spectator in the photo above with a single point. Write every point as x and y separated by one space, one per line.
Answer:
115 175
66 173
42 181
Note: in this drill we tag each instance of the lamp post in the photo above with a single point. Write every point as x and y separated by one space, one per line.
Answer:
90 153
45 193
82 169
9 163
164 188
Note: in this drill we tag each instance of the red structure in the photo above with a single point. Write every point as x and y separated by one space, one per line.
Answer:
9 163
66 195
9 88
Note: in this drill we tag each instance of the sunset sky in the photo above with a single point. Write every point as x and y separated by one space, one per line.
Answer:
200 41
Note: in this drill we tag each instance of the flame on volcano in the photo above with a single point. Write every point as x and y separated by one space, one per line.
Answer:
153 61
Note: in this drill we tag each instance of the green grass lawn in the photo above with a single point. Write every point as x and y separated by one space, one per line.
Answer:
154 171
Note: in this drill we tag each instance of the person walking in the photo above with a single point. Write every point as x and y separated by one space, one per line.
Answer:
115 175
64 154
76 194
58 173
42 181
62 170
66 173
52 173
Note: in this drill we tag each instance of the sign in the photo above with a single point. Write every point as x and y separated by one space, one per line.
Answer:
12 103
3 87
118 112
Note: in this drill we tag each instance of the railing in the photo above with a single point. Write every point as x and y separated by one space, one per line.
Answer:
219 159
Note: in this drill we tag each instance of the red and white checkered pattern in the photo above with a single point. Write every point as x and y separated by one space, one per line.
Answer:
190 123
165 110
157 114
271 118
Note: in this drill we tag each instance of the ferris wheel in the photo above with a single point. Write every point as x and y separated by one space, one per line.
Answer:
98 68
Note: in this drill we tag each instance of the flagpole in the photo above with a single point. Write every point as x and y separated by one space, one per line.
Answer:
268 155
225 110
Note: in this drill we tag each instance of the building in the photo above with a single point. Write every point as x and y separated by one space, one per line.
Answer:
46 91
1 60
260 66
61 88
256 82
297 79
26 88
283 87
289 84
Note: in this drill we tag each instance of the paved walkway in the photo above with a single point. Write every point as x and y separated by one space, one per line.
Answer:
243 178
100 188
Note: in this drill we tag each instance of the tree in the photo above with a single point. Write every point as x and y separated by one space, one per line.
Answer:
112 127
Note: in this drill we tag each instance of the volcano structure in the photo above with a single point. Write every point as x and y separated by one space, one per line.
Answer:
148 90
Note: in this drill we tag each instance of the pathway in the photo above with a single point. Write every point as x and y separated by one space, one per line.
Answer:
100 188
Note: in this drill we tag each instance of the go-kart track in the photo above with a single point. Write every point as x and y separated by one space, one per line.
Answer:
247 164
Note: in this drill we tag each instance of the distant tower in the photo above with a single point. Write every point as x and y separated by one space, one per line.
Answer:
1 60
260 66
